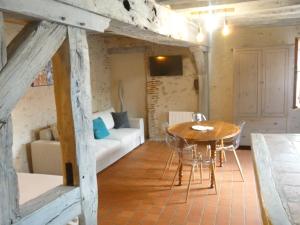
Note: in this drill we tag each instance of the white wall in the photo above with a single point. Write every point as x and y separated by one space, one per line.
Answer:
221 66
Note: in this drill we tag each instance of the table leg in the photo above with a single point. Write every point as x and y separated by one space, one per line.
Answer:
213 157
221 154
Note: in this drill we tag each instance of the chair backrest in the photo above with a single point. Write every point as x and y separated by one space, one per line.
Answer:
180 117
189 155
237 139
164 127
198 117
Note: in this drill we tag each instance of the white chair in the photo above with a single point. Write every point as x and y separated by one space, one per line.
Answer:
171 143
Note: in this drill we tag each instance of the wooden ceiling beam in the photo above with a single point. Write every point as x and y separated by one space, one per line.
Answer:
188 4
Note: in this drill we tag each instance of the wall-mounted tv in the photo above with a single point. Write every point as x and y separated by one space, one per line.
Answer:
166 65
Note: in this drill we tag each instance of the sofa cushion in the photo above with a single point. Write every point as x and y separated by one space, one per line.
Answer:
106 117
99 128
54 131
46 134
120 119
124 135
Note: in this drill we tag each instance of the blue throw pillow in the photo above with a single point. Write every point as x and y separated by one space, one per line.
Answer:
100 130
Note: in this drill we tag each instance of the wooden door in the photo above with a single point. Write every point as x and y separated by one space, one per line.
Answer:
247 78
274 82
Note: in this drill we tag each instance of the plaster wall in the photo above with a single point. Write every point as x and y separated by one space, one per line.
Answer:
100 73
222 68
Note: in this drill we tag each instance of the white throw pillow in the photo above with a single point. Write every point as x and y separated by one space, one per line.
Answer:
106 117
46 134
55 133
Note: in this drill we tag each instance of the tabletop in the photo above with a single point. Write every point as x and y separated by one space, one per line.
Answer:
222 130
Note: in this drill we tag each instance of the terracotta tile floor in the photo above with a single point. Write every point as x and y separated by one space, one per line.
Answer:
132 193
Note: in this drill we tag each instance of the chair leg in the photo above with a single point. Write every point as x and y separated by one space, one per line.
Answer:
193 174
175 176
213 171
224 156
189 185
167 166
201 174
238 163
172 159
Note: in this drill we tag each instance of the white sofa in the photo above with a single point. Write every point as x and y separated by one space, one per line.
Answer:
46 153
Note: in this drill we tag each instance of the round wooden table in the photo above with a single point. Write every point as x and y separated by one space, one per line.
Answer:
222 130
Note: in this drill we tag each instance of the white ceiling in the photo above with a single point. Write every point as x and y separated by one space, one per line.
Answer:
241 13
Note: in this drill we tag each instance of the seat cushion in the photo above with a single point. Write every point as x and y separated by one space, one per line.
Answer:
124 135
107 151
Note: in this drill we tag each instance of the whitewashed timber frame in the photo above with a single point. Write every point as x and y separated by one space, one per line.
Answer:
26 56
61 26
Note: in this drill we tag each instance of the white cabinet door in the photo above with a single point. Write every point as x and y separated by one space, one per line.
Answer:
274 88
247 75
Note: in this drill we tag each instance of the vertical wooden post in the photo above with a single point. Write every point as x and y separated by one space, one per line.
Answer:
201 59
9 202
74 112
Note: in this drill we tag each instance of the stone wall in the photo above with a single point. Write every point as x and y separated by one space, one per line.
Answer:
174 93
164 94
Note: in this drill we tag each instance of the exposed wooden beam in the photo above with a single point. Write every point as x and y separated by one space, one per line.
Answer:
28 56
184 4
57 206
145 19
9 203
74 117
56 11
201 61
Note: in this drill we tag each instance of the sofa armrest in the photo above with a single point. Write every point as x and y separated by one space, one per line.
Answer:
46 157
138 123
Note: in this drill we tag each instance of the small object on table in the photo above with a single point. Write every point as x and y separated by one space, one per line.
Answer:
202 128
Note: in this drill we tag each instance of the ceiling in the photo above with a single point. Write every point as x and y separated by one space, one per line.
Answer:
239 12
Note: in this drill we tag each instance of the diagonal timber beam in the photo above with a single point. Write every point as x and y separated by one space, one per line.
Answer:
9 203
30 53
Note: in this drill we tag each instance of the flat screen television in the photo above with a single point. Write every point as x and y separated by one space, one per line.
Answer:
166 65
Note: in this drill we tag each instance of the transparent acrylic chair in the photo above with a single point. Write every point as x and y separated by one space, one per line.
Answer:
198 117
171 144
232 145
190 156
